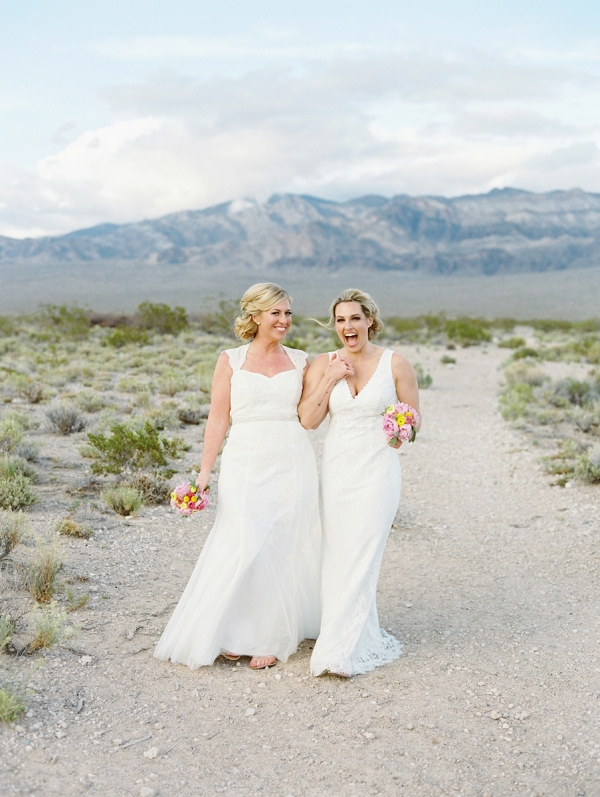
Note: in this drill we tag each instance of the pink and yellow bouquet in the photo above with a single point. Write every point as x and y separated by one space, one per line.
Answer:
186 499
399 422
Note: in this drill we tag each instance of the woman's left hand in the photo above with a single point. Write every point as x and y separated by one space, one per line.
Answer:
397 444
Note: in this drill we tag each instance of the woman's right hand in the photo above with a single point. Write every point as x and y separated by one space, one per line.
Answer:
339 367
202 481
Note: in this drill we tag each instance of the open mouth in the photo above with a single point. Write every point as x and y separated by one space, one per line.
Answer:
351 338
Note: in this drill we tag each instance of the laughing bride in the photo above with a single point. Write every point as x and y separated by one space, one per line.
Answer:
360 482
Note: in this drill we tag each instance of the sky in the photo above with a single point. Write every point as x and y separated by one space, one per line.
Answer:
118 111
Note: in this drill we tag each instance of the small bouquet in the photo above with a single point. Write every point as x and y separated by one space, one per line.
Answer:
186 499
399 421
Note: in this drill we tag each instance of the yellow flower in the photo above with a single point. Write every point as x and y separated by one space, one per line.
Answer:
186 499
400 419
389 409
192 489
173 496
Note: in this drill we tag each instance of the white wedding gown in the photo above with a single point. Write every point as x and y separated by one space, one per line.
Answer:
360 488
256 587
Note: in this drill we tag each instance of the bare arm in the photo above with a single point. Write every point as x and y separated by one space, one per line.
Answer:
218 419
321 378
405 379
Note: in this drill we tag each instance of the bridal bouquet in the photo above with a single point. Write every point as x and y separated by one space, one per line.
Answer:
399 421
186 499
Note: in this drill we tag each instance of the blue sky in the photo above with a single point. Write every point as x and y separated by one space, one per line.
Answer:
119 111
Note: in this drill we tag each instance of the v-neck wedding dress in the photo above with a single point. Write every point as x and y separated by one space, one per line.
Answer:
360 489
256 587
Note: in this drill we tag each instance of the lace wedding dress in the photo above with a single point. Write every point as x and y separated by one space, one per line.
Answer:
256 587
360 485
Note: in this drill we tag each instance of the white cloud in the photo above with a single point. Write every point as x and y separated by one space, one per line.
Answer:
397 123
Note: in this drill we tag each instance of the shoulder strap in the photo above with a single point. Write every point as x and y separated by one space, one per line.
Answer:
237 357
298 357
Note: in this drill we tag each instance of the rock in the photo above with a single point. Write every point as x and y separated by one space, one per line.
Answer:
28 748
494 715
146 791
250 712
60 734
409 726
152 752
278 677
368 735
85 660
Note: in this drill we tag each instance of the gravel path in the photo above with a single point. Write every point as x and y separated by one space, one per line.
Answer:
490 578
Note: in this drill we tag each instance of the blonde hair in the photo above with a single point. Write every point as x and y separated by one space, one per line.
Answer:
369 308
257 299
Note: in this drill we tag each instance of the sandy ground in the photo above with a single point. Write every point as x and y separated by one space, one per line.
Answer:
490 579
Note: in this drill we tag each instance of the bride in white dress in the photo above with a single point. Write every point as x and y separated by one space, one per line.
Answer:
255 590
360 483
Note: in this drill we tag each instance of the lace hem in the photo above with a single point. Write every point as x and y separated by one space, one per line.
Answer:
389 649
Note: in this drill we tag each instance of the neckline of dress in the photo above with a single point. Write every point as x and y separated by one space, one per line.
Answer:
366 384
258 373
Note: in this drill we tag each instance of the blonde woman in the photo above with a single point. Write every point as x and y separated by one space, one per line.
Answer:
255 590
360 482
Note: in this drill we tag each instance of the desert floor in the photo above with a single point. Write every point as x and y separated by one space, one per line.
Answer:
490 579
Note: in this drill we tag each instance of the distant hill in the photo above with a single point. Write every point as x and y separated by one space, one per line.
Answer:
505 231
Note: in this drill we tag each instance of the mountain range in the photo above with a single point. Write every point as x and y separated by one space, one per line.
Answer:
504 231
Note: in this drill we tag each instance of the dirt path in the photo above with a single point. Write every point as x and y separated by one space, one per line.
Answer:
490 578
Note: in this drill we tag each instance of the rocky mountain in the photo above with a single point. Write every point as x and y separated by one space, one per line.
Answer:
504 231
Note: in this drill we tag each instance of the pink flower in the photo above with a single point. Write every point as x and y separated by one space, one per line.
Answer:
390 427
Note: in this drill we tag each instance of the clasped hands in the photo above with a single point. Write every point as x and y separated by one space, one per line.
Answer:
340 367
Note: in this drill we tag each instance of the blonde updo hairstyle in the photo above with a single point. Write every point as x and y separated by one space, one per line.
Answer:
258 299
369 308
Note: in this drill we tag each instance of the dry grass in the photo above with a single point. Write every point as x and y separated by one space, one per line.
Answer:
14 528
41 574
71 528
123 500
47 624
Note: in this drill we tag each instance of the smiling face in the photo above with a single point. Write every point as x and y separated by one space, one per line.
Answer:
352 325
273 324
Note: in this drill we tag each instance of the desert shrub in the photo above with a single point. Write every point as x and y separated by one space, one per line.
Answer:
123 500
7 326
172 382
574 391
16 492
525 352
76 601
588 465
71 528
124 336
447 360
28 388
130 384
11 433
41 573
521 372
468 331
193 416
153 487
14 528
126 448
47 625
512 343
219 321
423 380
11 704
65 320
162 318
12 466
550 325
164 417
514 400
90 401
7 629
65 419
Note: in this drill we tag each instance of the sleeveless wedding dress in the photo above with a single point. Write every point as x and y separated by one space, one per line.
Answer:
360 488
256 587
